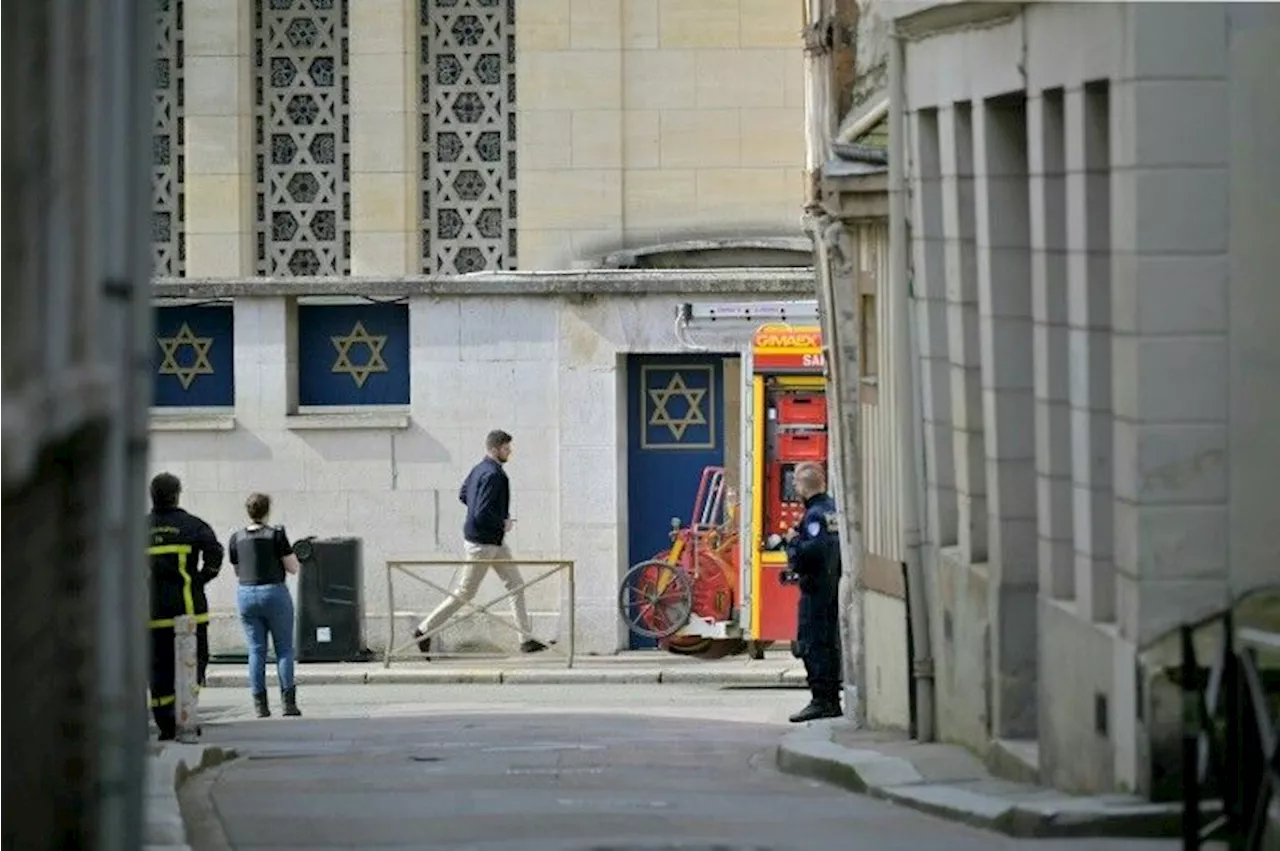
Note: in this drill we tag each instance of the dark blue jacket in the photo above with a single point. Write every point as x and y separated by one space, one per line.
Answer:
487 495
814 554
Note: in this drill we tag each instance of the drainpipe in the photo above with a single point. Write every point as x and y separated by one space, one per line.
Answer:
908 412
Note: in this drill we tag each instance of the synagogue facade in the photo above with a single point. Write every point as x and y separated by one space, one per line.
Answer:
383 228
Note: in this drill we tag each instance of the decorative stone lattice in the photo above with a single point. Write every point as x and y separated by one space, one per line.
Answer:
302 137
467 115
168 207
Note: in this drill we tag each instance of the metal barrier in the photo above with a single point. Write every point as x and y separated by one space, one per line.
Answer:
407 567
1229 737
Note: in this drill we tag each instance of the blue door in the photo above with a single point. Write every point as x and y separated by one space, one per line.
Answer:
675 428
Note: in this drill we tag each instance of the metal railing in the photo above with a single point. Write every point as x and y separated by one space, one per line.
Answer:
1229 737
550 567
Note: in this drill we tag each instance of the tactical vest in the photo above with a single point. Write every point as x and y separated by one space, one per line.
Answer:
257 562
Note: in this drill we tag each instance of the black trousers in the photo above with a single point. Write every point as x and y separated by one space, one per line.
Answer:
163 668
819 640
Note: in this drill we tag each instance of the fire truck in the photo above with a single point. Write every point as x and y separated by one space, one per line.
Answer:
716 590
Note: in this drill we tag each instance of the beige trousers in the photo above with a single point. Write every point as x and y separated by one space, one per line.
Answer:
469 583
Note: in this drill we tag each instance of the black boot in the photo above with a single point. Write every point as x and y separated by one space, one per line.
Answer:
818 708
424 644
290 697
260 704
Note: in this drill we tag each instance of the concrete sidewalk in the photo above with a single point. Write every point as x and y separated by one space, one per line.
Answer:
950 782
637 667
169 764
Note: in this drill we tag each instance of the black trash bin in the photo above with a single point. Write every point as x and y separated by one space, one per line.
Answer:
330 600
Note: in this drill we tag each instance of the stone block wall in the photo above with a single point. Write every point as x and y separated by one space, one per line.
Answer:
606 124
548 368
1089 259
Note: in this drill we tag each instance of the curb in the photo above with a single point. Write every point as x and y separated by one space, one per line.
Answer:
518 676
167 770
810 752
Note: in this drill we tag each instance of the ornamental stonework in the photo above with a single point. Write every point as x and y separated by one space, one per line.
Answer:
302 209
467 135
168 202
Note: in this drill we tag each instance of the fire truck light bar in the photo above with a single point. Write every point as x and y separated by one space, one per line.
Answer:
748 312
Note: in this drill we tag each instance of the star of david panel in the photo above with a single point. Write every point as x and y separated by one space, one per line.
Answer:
467 141
677 407
353 355
193 357
168 203
301 138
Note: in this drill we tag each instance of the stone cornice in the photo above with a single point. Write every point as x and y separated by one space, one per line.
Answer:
620 282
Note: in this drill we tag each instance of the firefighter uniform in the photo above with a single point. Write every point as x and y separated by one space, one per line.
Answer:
813 557
185 556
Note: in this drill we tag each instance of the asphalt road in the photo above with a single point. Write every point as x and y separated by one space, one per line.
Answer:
539 768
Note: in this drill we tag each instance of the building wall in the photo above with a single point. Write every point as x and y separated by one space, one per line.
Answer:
884 632
548 368
613 123
1098 310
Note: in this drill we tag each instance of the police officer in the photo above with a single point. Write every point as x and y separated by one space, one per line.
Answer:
813 560
185 556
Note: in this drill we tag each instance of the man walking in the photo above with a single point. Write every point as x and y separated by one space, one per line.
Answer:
486 493
177 543
813 557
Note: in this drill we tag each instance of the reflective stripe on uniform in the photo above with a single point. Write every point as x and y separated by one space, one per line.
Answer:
163 701
168 622
181 551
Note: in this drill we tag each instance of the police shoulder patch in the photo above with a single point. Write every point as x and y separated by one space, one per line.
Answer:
815 529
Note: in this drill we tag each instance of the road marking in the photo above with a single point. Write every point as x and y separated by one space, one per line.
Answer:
555 771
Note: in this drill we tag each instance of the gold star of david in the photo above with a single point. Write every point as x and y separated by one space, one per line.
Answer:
693 414
359 374
186 375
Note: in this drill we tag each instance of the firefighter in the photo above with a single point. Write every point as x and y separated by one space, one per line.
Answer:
813 561
185 556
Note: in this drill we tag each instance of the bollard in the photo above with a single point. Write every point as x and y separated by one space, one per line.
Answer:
186 688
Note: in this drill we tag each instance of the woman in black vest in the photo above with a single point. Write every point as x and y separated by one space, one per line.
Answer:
262 555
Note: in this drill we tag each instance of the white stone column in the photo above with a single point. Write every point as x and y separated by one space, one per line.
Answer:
1004 306
958 213
1046 159
1088 163
218 142
384 174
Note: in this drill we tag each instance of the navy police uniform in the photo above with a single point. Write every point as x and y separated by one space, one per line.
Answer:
185 556
813 557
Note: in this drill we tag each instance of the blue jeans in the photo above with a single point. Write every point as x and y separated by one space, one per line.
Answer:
267 609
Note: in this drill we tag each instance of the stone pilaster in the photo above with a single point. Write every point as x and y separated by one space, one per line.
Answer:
967 422
384 177
1089 315
1005 331
218 142
1049 314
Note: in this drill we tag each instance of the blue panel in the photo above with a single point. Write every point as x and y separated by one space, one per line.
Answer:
193 361
675 428
353 354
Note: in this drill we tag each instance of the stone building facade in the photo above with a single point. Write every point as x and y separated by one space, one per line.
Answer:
340 170
1093 217
322 137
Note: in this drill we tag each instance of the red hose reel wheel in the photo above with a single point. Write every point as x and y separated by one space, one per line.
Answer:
656 599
